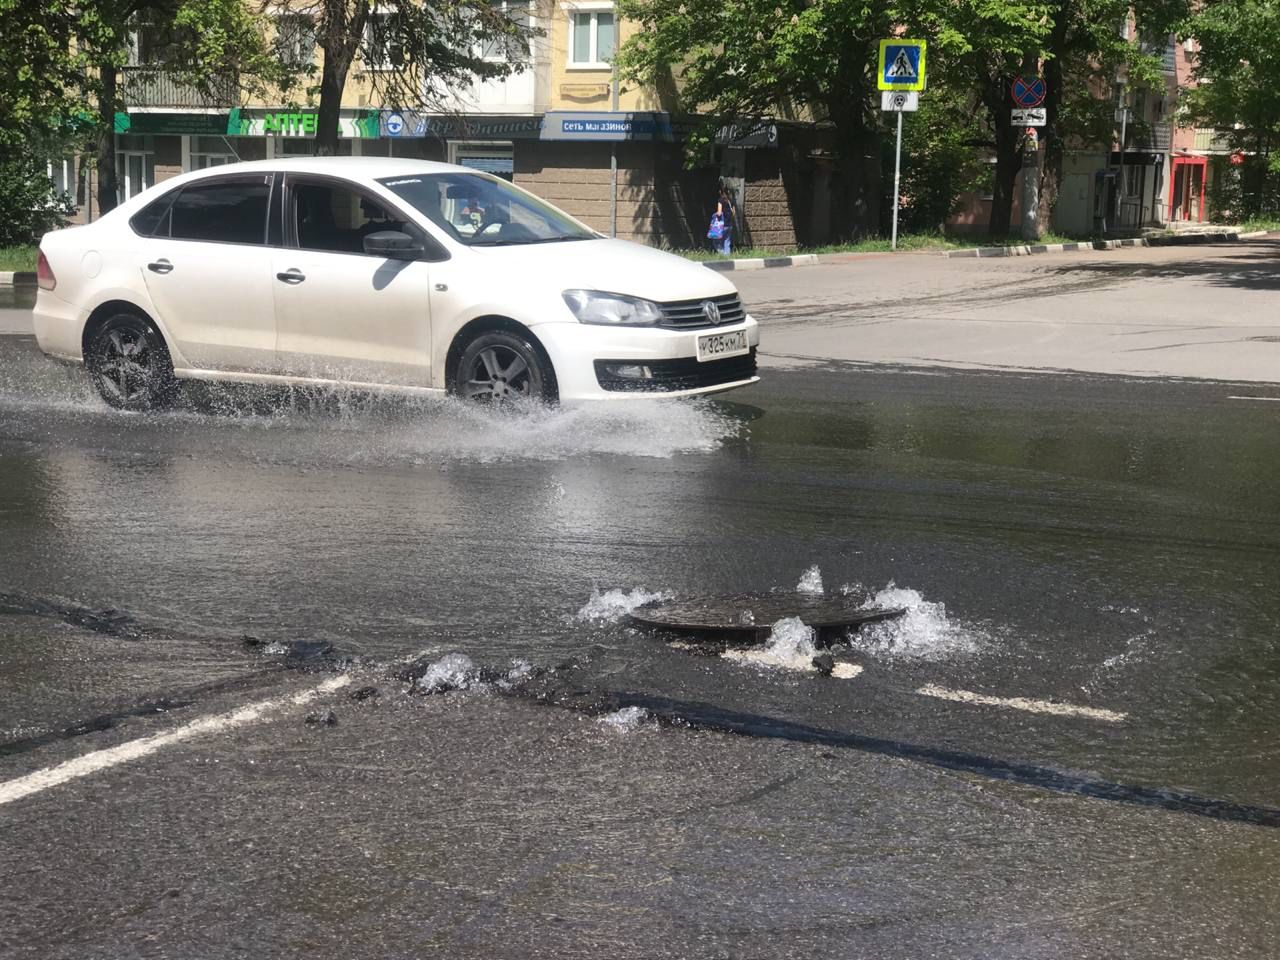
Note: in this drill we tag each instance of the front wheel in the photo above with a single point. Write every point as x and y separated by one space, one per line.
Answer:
500 367
129 364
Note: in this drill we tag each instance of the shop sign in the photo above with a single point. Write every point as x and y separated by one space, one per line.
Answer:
1135 159
173 124
605 126
410 123
363 125
759 134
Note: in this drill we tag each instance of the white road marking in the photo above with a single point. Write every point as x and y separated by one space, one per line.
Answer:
1022 703
1268 399
136 749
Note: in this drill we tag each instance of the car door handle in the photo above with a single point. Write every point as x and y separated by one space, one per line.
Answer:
160 266
292 275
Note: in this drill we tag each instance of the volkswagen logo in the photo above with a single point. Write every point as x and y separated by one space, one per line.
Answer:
711 311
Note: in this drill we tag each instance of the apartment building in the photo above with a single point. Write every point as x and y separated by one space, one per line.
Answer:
559 126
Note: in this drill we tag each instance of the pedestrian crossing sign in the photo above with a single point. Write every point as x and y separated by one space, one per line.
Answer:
901 65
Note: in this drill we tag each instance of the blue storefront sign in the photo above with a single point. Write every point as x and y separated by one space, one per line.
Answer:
600 126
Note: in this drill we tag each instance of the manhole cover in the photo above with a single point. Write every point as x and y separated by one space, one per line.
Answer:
751 616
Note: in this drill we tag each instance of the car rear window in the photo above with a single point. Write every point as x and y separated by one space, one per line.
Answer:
152 220
221 211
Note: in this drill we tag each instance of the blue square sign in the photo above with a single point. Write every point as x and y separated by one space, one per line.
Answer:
901 65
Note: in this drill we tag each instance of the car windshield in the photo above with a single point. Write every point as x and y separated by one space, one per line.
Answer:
485 211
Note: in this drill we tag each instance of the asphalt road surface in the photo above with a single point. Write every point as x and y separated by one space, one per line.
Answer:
320 677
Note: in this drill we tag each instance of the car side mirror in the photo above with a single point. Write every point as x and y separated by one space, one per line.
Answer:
393 245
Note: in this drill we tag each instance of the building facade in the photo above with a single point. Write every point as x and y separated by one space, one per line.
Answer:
559 126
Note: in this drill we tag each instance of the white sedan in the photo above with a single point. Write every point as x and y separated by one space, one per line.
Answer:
379 273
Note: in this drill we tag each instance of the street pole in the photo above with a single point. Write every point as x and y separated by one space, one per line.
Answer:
613 161
897 171
1030 187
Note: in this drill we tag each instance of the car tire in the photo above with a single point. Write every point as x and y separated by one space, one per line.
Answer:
129 364
500 367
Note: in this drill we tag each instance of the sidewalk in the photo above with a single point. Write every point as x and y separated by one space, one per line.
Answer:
1012 250
1141 311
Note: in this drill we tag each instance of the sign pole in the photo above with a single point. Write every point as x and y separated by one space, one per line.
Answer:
897 170
900 78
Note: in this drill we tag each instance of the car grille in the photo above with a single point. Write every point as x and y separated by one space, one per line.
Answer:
683 374
689 314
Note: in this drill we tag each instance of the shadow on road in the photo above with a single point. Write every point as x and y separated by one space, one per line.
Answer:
1257 270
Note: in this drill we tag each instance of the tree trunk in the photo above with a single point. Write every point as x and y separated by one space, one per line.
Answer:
1051 162
340 34
857 200
108 181
1008 163
333 80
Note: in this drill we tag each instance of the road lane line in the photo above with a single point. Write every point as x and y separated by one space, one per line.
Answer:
1268 399
91 763
1022 703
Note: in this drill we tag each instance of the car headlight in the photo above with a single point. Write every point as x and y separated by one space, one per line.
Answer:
612 309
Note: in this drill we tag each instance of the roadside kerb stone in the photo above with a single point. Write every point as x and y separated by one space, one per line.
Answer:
21 278
1173 240
761 263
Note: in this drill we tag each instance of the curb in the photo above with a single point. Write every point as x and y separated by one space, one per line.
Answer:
22 278
1175 240
760 263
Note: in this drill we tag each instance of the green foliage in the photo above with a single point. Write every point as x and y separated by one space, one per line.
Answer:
1238 74
1243 192
19 258
28 205
939 162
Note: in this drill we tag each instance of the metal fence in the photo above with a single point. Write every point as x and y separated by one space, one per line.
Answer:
152 87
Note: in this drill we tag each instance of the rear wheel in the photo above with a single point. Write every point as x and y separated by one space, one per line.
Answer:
129 363
501 367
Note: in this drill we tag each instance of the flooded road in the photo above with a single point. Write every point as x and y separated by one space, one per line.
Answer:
1068 747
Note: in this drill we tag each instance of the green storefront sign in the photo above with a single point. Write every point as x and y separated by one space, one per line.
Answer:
172 124
298 123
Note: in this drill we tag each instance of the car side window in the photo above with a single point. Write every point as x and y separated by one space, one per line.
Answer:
335 219
153 219
221 211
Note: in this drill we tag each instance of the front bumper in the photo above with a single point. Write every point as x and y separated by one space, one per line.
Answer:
581 354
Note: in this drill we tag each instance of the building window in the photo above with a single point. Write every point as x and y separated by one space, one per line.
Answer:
495 157
135 166
503 48
210 152
295 39
591 38
381 49
63 174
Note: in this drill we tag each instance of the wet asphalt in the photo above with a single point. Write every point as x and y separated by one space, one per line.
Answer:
1086 541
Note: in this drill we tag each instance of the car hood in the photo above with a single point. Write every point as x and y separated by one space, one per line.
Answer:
614 266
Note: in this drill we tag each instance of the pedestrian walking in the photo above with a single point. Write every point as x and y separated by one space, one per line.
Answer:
720 233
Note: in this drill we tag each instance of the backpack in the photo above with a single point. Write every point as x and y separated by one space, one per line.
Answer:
716 230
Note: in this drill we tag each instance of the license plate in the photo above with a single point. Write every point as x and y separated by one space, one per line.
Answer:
717 346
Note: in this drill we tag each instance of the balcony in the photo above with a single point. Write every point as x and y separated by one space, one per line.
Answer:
150 86
1209 140
1155 137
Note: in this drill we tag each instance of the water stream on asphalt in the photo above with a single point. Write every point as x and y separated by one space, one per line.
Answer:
1098 544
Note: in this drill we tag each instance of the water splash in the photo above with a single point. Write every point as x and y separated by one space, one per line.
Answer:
924 632
625 720
453 671
349 426
613 605
811 582
790 646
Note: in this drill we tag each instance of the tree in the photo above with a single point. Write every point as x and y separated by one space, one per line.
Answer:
1237 91
741 60
40 83
423 51
218 48
1079 48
